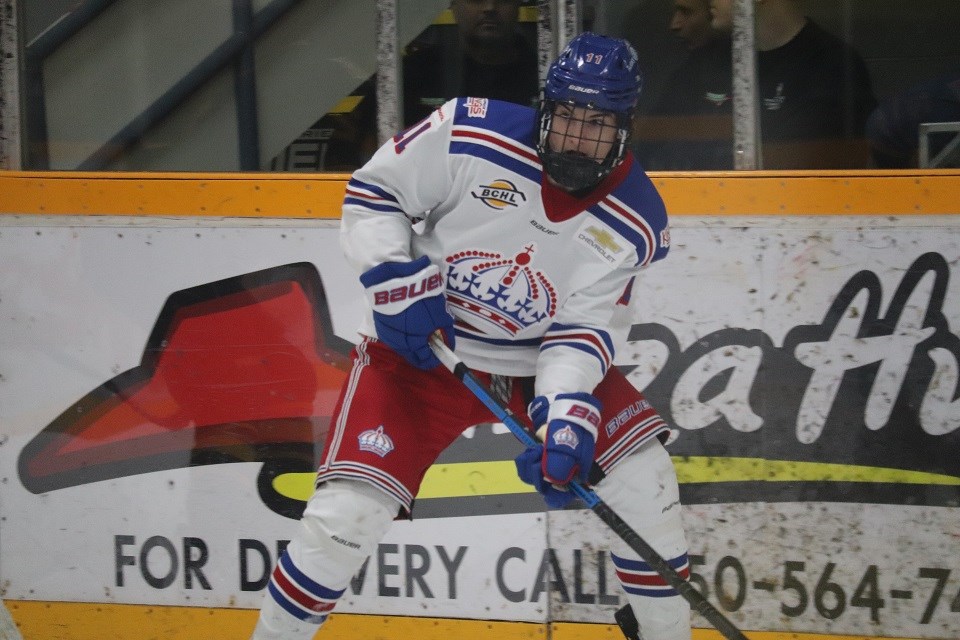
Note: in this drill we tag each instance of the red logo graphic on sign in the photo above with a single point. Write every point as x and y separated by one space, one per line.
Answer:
245 369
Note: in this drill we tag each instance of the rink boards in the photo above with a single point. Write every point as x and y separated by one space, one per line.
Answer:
171 348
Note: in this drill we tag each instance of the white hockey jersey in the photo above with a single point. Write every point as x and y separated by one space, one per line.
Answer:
538 281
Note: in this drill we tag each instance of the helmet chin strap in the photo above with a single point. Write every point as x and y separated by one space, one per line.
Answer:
572 172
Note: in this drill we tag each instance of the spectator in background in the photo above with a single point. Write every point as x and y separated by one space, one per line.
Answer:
893 128
494 61
691 22
659 51
690 126
814 89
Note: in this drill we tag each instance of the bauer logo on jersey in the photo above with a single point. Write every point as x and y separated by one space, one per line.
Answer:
499 194
608 244
499 295
375 441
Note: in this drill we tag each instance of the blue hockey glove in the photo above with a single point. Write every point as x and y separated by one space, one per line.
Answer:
408 306
567 451
528 468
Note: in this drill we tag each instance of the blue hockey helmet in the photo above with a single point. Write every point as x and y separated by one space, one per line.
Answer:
596 71
599 73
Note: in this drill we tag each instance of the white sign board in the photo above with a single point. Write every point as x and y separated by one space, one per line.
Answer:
153 453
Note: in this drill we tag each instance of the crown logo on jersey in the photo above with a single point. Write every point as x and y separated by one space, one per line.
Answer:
500 291
566 437
375 441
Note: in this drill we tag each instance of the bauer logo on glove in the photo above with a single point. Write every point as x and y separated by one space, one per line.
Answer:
408 306
407 292
585 412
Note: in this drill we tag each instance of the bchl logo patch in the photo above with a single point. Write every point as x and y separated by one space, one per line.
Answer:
566 437
499 194
375 441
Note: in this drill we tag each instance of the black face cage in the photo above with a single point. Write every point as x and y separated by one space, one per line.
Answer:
572 170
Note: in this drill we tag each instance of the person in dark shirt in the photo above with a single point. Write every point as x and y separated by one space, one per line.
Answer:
494 60
689 126
814 90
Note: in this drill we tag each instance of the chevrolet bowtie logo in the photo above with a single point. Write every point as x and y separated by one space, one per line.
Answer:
604 238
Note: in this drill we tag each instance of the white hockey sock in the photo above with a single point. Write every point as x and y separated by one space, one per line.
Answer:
343 522
643 490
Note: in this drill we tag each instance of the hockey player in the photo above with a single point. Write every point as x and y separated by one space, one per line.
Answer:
518 234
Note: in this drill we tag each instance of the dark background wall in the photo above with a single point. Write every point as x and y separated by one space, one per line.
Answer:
902 42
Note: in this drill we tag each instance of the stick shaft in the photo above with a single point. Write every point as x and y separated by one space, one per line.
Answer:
623 530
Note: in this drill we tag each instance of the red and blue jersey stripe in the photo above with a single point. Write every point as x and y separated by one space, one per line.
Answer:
370 196
591 340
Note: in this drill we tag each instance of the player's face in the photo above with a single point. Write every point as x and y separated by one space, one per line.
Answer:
582 131
486 21
721 14
691 21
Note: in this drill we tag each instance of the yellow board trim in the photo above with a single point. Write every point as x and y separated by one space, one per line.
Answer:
96 621
227 195
312 196
498 477
719 469
449 480
779 193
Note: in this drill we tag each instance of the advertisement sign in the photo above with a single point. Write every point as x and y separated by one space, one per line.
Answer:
166 388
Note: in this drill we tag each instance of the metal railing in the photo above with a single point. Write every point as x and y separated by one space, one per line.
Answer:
237 50
949 155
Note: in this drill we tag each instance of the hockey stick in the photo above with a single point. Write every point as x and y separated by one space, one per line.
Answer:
696 599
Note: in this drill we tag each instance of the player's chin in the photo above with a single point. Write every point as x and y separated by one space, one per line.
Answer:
579 154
